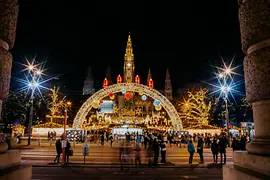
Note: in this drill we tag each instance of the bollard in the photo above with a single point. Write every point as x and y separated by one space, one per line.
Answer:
85 151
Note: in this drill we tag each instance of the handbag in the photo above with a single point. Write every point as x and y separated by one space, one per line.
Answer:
70 152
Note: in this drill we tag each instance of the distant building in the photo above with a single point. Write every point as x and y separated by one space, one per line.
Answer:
88 87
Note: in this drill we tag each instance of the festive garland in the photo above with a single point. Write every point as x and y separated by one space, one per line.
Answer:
49 125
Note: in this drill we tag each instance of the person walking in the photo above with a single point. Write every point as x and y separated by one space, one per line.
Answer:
214 149
163 151
58 147
191 150
68 152
222 148
200 149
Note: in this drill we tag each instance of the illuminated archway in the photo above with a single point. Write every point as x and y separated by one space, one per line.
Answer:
132 87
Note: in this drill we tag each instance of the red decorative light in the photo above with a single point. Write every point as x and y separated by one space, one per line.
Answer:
100 101
151 83
128 95
105 83
137 79
110 94
119 79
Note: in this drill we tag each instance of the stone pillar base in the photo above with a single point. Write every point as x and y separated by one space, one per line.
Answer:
12 168
247 167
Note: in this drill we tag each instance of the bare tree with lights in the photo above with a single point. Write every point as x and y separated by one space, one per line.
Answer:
56 104
195 109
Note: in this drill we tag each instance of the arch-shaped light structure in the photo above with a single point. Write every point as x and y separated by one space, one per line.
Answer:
133 87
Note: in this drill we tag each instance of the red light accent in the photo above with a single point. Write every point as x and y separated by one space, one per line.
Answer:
128 95
110 93
137 79
101 101
119 79
105 83
151 83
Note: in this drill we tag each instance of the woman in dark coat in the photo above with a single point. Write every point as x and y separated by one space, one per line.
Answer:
200 149
67 152
58 147
214 149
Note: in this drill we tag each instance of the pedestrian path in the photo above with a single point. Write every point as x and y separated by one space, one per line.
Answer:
109 156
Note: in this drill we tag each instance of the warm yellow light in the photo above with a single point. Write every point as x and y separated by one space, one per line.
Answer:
68 103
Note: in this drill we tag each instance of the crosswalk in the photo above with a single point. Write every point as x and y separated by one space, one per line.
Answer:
104 155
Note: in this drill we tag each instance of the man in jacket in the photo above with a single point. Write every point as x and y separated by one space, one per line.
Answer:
58 147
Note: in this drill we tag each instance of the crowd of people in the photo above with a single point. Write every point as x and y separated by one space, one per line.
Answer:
155 144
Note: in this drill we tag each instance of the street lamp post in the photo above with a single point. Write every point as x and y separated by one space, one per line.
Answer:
225 89
64 140
33 84
30 117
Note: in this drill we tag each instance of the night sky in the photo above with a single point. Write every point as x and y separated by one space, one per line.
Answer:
184 36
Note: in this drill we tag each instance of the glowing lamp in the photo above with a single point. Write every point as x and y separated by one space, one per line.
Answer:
105 83
151 83
137 79
156 102
31 67
144 97
228 71
110 93
128 95
119 79
158 108
95 104
112 97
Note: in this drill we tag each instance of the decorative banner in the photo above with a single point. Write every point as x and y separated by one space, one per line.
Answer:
144 97
124 91
112 97
140 93
156 102
158 108
100 101
95 104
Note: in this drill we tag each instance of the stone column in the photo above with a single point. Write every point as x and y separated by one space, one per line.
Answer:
254 16
8 22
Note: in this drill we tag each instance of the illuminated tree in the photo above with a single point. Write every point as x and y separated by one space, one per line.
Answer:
195 109
56 104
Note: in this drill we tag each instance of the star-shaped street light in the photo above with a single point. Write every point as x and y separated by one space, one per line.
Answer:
226 86
33 82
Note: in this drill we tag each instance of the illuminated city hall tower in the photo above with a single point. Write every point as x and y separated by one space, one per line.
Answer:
129 66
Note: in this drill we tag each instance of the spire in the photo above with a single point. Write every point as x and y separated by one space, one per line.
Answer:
149 76
129 66
168 86
88 87
109 75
